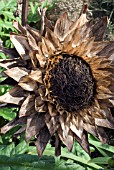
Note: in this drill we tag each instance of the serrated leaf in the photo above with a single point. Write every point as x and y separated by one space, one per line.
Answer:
7 13
27 162
8 4
6 25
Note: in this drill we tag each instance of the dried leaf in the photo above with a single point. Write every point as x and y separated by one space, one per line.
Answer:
11 52
34 60
80 22
65 125
32 42
83 142
35 33
40 105
77 36
108 50
27 84
52 109
20 131
19 27
83 48
104 123
36 75
28 106
35 124
42 140
16 73
102 134
62 26
52 38
14 96
67 140
99 29
50 47
12 124
57 146
21 44
76 125
90 128
52 123
8 81
10 63
40 57
45 23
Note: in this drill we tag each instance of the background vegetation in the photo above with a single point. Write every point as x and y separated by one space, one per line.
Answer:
15 154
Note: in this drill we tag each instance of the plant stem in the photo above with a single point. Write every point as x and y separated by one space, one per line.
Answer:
24 12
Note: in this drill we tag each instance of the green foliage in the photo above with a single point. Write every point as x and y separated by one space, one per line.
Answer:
104 149
18 160
33 13
7 9
24 156
8 113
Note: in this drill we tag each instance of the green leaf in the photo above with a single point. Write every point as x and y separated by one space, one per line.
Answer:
2 55
77 149
6 25
7 113
33 15
10 4
4 89
1 141
6 149
4 34
49 150
21 148
111 162
66 165
27 162
100 160
80 160
7 138
7 13
102 146
104 153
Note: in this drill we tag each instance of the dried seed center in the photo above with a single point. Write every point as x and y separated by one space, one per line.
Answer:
72 83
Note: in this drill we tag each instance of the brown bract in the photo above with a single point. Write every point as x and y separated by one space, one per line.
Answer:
40 53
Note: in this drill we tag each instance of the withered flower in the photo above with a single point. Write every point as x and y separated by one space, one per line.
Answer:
63 82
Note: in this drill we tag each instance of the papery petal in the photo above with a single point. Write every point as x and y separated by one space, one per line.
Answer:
21 44
62 26
12 124
14 96
27 84
16 73
42 140
35 123
28 106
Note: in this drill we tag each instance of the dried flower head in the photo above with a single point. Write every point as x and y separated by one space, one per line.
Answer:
63 82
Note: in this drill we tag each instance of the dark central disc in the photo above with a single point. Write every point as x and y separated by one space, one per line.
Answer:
72 83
